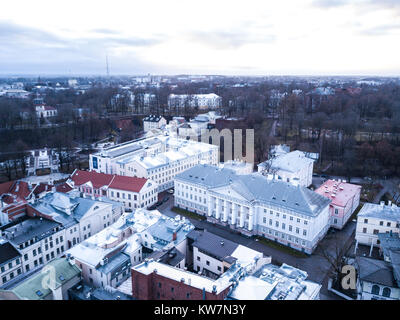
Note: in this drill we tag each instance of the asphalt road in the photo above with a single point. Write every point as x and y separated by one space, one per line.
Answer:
315 265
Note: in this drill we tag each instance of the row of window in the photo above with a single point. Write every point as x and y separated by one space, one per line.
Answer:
32 241
291 218
386 292
10 265
283 236
283 226
11 276
388 223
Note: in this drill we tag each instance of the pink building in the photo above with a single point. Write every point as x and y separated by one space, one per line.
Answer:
345 200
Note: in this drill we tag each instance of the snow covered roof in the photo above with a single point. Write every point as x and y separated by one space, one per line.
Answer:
271 282
67 209
291 162
152 118
339 192
192 279
123 235
388 212
176 149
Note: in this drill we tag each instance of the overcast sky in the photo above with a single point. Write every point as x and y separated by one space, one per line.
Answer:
266 37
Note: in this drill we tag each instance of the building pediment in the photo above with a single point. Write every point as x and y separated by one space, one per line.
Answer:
228 192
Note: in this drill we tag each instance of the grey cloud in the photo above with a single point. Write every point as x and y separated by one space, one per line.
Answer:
330 3
381 30
230 39
27 49
364 4
105 31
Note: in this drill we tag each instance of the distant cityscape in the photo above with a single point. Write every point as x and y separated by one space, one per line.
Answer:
205 157
122 199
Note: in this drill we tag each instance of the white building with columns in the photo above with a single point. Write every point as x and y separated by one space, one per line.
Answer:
292 215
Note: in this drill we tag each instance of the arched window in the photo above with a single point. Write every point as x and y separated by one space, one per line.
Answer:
375 289
386 292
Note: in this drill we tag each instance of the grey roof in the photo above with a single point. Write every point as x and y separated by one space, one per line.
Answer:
395 261
390 245
376 271
380 211
164 228
215 246
115 263
57 205
171 257
389 241
256 188
123 150
31 229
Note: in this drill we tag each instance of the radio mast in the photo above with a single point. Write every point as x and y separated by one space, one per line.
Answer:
108 69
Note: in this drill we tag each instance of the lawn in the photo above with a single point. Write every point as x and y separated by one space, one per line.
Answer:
188 214
282 247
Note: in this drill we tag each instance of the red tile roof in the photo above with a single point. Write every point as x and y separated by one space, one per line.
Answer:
133 184
339 192
20 189
42 187
64 187
6 187
98 180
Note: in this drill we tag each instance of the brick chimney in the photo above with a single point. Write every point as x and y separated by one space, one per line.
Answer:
174 236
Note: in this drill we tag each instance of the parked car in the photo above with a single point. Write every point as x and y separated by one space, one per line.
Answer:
159 203
170 191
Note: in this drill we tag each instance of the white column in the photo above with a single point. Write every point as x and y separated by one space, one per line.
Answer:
242 215
218 212
234 213
226 211
251 218
210 206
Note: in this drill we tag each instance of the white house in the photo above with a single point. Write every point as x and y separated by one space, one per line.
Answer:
43 111
292 215
374 219
200 101
17 93
153 122
212 255
132 192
